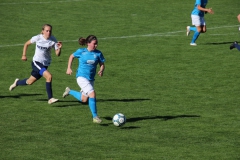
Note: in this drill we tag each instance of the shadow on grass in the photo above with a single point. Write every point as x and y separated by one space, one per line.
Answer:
123 100
165 118
218 43
19 95
67 103
135 119
98 100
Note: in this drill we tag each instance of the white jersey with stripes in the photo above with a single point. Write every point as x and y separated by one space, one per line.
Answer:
43 48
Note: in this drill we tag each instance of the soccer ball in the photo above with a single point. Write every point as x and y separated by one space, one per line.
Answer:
119 119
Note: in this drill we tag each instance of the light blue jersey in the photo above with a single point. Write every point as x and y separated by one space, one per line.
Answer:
88 62
203 4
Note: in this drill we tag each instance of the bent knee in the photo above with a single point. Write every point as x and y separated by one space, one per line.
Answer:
48 78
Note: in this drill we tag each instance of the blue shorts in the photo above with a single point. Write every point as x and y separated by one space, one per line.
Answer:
38 69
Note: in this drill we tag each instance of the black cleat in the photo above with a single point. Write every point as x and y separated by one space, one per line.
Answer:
233 45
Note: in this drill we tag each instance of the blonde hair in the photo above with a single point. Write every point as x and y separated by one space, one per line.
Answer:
45 25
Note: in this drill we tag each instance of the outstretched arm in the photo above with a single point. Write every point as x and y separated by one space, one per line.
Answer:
206 10
70 60
25 47
238 17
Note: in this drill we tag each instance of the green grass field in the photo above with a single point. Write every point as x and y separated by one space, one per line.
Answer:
181 101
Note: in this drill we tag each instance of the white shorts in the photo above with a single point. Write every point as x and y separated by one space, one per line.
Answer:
85 85
198 21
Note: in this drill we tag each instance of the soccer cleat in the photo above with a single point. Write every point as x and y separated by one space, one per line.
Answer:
188 30
233 45
193 44
14 85
52 100
97 120
66 92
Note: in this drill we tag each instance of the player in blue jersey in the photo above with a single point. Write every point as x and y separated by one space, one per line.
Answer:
198 22
88 58
41 60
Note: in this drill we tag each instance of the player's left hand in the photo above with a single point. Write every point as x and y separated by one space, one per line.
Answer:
100 73
59 44
210 11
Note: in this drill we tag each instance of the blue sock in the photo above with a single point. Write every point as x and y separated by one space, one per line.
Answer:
93 106
193 29
22 82
237 46
49 89
76 94
195 36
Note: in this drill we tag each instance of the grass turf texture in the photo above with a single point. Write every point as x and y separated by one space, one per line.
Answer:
181 102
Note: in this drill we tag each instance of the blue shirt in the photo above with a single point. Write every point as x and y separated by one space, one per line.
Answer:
203 4
88 61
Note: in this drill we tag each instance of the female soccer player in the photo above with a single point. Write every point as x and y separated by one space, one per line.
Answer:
198 21
235 45
238 17
41 60
88 58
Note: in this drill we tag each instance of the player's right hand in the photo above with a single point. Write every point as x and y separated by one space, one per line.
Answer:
24 58
69 71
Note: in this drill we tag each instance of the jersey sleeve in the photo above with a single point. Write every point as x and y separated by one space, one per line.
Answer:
77 53
101 58
34 39
198 2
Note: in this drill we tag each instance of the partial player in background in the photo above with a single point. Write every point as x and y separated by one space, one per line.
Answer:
45 41
88 58
238 17
198 21
235 44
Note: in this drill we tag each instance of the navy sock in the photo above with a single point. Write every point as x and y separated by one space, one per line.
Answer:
22 82
49 89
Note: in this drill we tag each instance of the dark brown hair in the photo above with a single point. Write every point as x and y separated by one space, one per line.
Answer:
83 41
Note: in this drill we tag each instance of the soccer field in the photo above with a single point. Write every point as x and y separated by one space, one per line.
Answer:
181 102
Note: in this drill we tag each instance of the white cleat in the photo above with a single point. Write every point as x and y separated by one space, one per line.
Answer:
66 92
97 120
14 85
193 44
52 100
188 30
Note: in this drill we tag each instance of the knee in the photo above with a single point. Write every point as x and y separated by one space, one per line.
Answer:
29 82
49 78
84 100
204 31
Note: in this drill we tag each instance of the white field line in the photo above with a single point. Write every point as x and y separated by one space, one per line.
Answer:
19 3
166 34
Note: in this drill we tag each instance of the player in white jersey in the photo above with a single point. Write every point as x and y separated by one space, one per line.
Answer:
238 17
88 58
41 60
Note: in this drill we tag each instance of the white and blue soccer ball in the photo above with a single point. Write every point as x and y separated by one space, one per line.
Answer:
119 119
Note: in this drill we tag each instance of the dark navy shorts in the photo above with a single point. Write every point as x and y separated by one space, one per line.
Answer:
37 68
